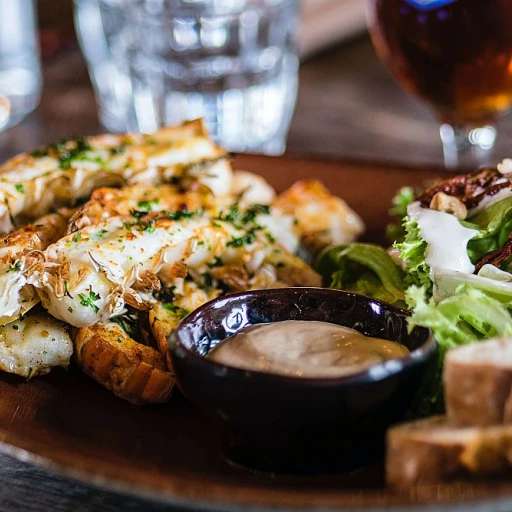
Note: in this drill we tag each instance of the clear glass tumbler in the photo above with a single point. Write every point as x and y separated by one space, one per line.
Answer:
20 69
157 62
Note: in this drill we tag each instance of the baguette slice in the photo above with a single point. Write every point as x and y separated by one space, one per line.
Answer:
432 450
478 383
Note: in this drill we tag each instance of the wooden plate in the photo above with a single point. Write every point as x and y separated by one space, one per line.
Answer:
67 422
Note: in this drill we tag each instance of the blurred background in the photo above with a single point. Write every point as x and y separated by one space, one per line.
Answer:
348 106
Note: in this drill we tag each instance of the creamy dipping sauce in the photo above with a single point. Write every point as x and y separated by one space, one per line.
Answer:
304 349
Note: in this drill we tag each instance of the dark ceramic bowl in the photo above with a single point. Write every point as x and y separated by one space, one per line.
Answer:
291 424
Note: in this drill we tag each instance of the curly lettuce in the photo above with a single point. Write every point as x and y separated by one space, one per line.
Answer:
395 231
413 252
466 316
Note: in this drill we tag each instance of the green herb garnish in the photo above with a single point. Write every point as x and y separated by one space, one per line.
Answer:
89 300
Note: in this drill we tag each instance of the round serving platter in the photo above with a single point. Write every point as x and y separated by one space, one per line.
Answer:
169 453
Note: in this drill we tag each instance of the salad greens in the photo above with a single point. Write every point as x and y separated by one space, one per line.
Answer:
494 225
363 268
459 307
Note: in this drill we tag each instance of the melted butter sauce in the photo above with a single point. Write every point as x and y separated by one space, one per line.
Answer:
304 349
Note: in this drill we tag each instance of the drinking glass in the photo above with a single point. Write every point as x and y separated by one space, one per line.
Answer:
20 69
158 62
456 56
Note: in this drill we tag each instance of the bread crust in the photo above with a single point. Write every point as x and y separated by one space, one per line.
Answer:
433 450
478 386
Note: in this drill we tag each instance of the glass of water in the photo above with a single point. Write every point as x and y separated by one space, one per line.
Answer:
20 69
158 62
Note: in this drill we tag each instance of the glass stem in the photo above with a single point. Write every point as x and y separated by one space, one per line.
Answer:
467 147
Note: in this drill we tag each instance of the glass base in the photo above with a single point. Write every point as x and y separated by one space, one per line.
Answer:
467 147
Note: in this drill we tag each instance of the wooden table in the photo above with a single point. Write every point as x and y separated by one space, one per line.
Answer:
348 107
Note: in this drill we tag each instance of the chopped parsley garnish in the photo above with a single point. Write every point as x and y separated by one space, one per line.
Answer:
182 214
146 205
101 233
70 309
15 267
217 262
118 150
166 294
177 310
16 327
207 280
138 214
241 219
68 150
89 300
77 237
246 239
149 228
255 210
129 323
19 188
71 149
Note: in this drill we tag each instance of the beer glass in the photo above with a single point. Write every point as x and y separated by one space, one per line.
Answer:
456 56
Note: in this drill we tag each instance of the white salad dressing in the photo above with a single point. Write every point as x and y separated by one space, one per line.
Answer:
446 239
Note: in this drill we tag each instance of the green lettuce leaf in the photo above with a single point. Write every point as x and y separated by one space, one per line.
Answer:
363 268
395 231
467 316
494 225
413 251
464 317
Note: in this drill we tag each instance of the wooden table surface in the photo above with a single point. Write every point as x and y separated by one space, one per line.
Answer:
348 107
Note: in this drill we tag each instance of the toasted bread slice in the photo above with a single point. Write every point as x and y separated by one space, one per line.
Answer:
478 383
432 450
130 370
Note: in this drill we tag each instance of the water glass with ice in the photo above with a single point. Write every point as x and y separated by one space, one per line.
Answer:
20 69
157 62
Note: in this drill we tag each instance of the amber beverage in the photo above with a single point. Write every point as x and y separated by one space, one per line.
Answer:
455 55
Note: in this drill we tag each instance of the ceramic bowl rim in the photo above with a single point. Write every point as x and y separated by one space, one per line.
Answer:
374 373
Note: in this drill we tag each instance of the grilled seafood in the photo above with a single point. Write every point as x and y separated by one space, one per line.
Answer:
87 277
168 226
19 252
33 345
323 219
33 183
